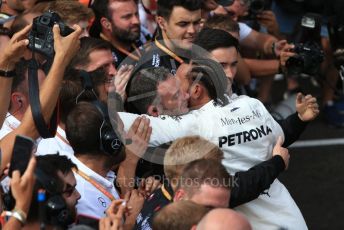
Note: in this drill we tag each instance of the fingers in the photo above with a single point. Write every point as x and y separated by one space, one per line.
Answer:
149 184
15 177
121 210
279 141
56 32
22 32
299 98
149 133
114 207
134 126
29 172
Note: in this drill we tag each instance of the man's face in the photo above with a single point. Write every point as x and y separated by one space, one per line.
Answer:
102 59
173 100
125 22
213 197
228 58
182 27
69 193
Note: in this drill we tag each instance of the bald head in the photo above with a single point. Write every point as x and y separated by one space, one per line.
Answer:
223 219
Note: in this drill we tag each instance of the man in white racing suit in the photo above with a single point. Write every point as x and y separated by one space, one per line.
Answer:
246 132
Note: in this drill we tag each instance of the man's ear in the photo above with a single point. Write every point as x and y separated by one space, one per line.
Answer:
179 195
106 24
153 111
196 91
161 22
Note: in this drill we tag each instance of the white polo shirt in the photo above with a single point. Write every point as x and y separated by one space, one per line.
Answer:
9 125
59 143
93 203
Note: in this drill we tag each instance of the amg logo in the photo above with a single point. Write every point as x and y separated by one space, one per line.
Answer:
246 136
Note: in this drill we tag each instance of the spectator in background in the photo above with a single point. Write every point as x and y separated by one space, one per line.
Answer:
118 22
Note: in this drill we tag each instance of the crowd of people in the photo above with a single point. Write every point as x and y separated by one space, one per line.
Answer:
142 113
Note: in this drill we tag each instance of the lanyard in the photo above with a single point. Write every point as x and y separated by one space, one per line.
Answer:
169 52
62 138
95 184
131 55
166 193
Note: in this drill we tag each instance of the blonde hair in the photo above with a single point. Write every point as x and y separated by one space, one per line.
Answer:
185 150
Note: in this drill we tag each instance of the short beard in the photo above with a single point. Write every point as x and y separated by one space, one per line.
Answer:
125 36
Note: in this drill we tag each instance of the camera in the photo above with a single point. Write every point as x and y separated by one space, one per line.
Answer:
307 40
257 7
41 37
307 60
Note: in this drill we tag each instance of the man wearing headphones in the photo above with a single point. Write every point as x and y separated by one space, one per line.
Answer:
98 151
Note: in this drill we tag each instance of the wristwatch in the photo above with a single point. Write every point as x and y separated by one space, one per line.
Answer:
7 74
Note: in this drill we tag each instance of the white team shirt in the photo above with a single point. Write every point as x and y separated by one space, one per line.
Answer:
246 132
93 203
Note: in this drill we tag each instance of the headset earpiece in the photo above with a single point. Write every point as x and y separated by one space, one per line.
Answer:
110 143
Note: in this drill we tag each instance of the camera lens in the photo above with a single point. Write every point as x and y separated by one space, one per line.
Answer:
45 20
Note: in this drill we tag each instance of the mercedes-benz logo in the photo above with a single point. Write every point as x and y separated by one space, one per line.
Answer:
102 201
116 144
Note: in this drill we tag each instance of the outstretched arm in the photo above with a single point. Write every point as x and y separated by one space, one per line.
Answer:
65 49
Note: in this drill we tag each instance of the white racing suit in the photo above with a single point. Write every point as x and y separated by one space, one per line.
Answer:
246 133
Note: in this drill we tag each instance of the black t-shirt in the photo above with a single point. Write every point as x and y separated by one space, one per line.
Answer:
159 199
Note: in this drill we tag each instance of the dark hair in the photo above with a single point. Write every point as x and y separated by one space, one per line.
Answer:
100 9
21 69
210 39
212 76
50 165
88 45
222 22
142 88
83 128
72 88
165 7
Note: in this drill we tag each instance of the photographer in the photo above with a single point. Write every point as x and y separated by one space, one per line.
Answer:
65 49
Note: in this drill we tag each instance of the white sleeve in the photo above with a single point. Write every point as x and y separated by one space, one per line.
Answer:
165 128
244 31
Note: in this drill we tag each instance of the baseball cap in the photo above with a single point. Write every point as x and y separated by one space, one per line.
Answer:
225 2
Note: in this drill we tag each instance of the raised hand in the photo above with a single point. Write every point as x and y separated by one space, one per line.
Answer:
66 47
306 107
14 49
114 216
148 186
281 151
139 133
22 186
121 80
268 19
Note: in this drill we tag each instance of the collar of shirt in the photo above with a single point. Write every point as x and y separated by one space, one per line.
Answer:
11 121
107 182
